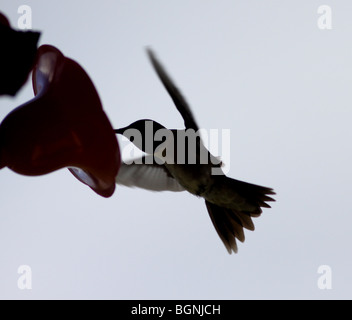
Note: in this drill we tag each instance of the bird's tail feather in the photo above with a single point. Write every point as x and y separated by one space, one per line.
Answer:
228 225
231 222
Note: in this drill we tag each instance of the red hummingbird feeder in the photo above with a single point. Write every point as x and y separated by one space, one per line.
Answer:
64 125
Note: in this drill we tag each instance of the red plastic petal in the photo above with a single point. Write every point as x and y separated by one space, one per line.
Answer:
63 126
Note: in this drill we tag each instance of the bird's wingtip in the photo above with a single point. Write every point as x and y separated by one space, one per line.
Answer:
150 52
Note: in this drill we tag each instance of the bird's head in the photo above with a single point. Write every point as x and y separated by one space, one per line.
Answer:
144 134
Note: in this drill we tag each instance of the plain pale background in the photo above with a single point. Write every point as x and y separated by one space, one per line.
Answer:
262 69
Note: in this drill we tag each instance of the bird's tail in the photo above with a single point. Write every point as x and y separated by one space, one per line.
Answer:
247 200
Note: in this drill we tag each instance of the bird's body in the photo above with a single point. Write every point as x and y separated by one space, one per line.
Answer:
196 179
189 171
177 164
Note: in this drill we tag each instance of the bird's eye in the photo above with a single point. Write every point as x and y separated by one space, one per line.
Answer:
132 138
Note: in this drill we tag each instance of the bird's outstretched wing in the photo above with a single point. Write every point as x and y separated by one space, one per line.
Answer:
179 101
147 174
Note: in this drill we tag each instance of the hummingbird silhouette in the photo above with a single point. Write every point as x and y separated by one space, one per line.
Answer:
231 203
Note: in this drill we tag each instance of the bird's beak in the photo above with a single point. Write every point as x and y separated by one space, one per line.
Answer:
120 131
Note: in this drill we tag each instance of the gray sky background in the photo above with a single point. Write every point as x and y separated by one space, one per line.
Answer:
262 69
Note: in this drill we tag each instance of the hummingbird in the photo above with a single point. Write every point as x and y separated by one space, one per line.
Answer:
231 203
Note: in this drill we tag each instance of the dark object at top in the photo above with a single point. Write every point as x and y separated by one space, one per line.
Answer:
17 55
